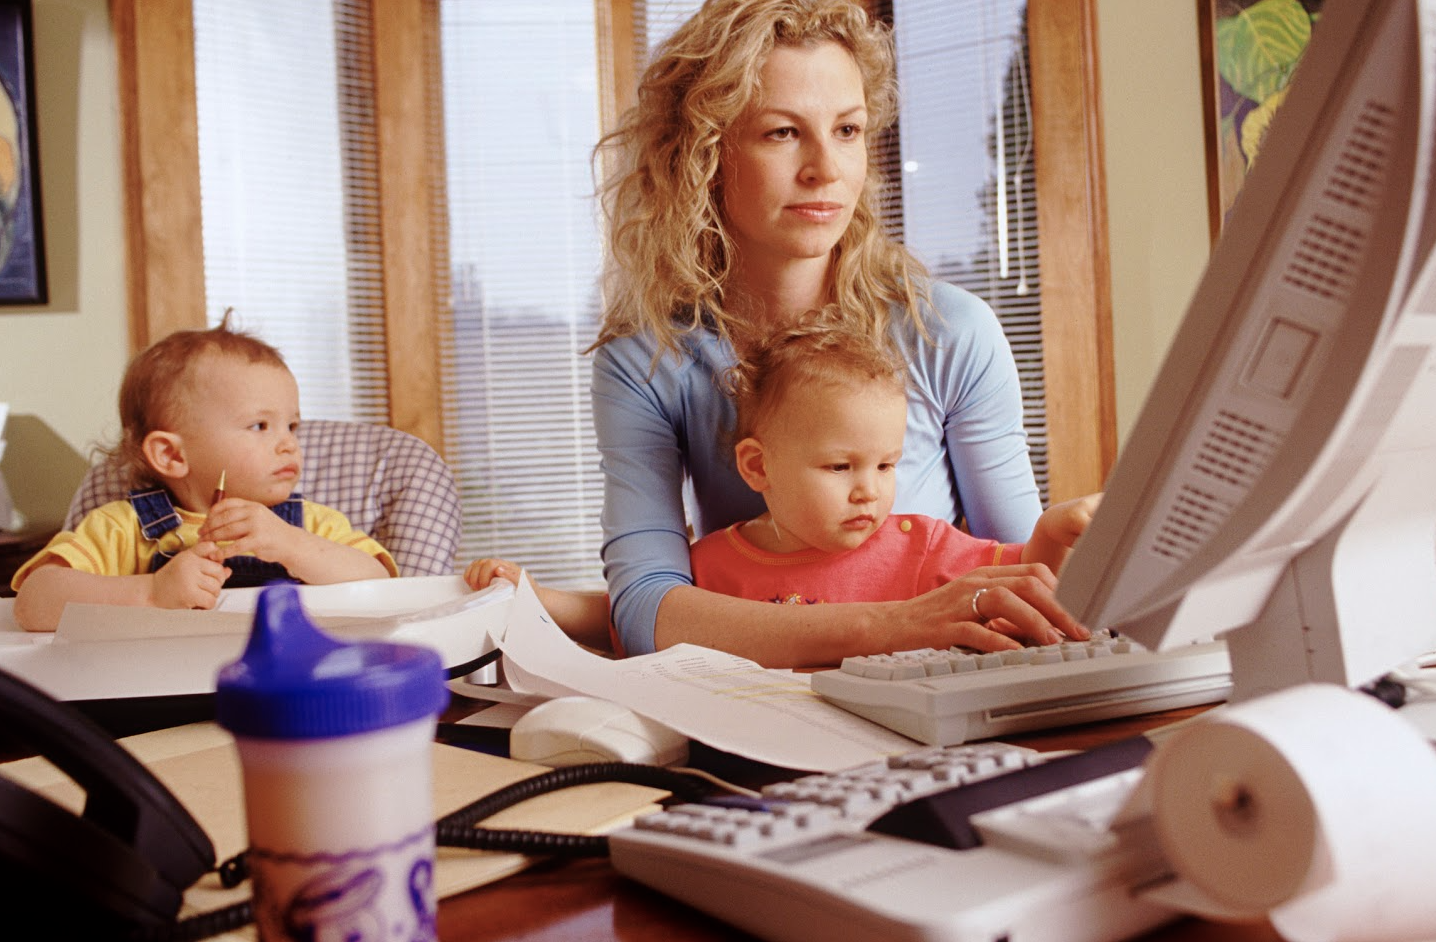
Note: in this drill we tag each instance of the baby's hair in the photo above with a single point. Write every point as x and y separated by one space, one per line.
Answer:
821 350
157 381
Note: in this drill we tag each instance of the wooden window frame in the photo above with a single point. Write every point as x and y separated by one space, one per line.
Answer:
155 41
166 266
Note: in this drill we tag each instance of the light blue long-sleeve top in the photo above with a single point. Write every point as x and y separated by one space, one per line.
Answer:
659 428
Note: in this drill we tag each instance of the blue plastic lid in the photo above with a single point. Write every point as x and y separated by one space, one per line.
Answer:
293 681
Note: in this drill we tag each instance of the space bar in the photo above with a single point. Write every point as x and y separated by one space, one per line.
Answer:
944 819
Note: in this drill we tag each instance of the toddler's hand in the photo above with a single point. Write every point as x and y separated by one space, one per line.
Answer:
192 580
1058 530
483 572
1064 523
251 529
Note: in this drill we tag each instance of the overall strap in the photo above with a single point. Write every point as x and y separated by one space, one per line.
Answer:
157 514
156 510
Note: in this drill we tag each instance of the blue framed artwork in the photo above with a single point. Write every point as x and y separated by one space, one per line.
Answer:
22 244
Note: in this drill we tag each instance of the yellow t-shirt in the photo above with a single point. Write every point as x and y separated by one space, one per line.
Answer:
109 542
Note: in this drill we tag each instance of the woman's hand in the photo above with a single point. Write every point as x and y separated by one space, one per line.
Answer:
992 608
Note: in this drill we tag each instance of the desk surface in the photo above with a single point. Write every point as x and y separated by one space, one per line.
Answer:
586 900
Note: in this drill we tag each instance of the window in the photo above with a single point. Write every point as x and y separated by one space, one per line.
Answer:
288 194
521 119
447 281
968 204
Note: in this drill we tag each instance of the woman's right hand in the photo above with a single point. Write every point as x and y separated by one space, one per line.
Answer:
991 609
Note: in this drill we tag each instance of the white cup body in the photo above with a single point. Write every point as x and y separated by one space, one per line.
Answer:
341 835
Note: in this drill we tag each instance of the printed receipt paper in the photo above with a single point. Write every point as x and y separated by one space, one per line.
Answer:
726 702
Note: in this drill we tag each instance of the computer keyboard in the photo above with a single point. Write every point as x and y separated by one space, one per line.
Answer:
953 696
897 850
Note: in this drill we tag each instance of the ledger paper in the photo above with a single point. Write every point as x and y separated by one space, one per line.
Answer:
727 702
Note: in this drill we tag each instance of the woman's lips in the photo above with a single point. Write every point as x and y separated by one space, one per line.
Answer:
819 212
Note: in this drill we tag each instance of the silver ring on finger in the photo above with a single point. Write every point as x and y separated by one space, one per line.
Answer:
977 613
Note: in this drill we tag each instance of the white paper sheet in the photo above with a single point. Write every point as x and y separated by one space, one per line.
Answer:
102 651
724 701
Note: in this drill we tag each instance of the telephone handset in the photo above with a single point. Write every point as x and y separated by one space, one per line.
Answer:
120 867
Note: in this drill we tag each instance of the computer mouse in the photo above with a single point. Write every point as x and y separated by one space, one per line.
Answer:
580 729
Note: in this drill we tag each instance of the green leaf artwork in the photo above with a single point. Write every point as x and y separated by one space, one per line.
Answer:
1259 47
1259 44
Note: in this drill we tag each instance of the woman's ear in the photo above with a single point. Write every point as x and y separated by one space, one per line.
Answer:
164 450
752 466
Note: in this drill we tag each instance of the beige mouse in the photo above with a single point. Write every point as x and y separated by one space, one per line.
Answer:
584 730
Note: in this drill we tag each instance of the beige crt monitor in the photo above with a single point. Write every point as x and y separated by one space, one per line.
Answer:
1279 487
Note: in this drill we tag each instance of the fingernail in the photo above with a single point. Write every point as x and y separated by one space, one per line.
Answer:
1055 636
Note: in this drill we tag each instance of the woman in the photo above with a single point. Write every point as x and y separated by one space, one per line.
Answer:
743 197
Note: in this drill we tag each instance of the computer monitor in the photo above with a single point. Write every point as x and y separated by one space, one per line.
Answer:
1279 486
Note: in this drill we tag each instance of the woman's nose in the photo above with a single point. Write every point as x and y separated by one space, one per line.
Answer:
821 165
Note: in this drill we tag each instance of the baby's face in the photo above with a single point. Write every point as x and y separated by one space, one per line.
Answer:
832 454
241 419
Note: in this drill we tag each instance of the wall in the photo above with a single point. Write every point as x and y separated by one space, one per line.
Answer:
61 362
1155 186
1156 181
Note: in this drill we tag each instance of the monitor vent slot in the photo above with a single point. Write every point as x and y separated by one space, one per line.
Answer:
1194 517
1327 259
1361 168
1236 450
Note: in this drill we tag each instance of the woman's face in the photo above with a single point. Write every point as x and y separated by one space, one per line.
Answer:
794 164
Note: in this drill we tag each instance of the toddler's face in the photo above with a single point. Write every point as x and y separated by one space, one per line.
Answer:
831 453
241 419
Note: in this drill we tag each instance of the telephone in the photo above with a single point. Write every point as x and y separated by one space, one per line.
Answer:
116 870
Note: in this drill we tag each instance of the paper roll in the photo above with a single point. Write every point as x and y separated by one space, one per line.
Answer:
1316 805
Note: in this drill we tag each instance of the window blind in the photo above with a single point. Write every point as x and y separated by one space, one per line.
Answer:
968 200
289 198
520 85
290 210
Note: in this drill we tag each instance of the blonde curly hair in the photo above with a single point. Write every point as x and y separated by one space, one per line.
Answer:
669 250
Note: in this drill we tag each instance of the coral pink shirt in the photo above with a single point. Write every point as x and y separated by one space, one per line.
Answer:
909 554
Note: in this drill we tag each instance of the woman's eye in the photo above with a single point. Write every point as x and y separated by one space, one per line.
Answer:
850 131
783 134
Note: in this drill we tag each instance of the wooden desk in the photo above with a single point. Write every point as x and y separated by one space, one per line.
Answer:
586 900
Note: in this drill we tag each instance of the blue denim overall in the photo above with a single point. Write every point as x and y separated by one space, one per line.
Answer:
156 510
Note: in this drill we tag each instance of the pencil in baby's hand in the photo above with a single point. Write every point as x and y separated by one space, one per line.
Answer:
218 491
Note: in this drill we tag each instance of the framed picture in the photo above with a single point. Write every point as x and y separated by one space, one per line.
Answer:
1250 48
22 244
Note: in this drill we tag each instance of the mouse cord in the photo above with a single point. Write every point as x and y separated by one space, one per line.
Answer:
458 829
199 927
